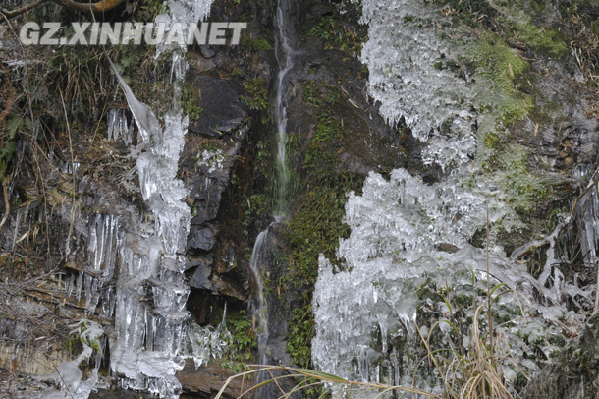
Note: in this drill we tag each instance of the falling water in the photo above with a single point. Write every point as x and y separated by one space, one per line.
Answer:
284 56
260 321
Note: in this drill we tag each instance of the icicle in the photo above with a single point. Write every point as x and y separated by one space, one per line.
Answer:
79 286
118 126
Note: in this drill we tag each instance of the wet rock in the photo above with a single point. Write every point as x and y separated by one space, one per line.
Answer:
201 277
207 52
220 106
202 237
200 261
321 9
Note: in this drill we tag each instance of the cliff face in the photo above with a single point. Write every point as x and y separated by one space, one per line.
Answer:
497 99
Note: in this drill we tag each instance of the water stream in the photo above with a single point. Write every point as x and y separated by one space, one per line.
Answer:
284 56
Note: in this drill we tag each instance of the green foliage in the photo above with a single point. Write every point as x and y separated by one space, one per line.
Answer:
77 337
300 329
546 41
314 229
243 342
253 206
257 98
190 101
335 32
262 157
258 44
312 93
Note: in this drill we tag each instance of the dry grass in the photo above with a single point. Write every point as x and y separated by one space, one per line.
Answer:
313 378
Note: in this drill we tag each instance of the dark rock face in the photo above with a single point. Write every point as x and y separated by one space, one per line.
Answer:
202 237
222 111
575 374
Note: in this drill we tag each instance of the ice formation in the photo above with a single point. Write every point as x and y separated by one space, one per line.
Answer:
69 376
147 351
118 127
397 227
401 58
208 342
401 228
148 303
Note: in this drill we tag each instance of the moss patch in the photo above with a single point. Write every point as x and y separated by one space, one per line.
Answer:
544 41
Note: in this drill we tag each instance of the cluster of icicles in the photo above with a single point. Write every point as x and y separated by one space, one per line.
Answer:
134 273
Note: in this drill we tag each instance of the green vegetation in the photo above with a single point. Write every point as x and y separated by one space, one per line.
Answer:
316 222
257 98
243 342
314 229
258 44
190 101
498 68
336 33
544 41
77 338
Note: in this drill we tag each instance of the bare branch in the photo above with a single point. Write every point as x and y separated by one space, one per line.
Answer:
101 6
22 10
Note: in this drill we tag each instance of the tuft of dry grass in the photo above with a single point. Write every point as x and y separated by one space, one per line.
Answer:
313 378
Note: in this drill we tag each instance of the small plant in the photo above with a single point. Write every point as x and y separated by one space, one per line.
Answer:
243 342
473 369
259 44
84 335
190 100
257 98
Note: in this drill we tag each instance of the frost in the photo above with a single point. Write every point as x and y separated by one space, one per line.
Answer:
212 159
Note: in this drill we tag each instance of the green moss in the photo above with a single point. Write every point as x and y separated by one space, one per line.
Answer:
545 41
498 69
314 229
525 186
497 62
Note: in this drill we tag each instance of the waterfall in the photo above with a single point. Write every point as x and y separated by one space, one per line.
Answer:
259 307
284 56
